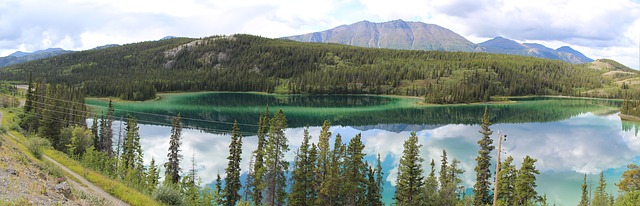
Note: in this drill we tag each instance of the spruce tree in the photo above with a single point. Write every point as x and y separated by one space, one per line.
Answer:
584 198
172 166
335 177
452 191
506 187
312 189
232 180
355 173
431 187
152 176
630 179
302 186
483 173
324 158
131 151
276 165
107 135
28 105
600 196
258 166
526 182
410 184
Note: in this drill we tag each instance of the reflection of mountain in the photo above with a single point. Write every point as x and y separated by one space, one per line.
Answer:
397 127
218 118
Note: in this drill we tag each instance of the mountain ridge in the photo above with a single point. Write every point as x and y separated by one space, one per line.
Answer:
21 57
396 34
408 35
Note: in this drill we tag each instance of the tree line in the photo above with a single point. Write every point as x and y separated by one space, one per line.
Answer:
319 175
250 63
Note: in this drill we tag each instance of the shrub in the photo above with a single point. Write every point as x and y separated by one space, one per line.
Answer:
167 194
36 145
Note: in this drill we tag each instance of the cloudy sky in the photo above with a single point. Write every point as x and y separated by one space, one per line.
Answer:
598 28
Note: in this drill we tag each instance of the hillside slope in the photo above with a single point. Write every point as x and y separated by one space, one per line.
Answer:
396 34
249 63
502 45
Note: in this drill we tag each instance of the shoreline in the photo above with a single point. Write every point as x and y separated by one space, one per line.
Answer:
419 101
630 118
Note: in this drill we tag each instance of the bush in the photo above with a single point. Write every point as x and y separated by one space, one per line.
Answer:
169 195
36 145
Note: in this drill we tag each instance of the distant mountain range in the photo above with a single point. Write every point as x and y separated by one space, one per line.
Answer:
20 57
399 34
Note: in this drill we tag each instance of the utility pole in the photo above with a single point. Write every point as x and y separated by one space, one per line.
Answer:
495 185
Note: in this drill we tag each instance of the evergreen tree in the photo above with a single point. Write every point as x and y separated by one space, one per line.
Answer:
584 198
431 187
232 180
28 105
218 192
276 165
600 196
526 182
152 176
335 175
409 184
506 187
324 158
172 166
312 190
452 191
95 131
630 179
107 135
259 168
443 169
355 173
131 157
303 168
483 173
190 185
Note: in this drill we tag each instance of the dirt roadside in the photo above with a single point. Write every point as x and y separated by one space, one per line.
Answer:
85 186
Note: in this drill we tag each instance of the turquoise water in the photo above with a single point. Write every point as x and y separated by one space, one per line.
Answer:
569 137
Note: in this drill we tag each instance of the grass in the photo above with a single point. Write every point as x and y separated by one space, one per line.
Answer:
113 187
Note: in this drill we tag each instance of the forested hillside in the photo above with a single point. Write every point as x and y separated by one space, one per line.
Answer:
250 63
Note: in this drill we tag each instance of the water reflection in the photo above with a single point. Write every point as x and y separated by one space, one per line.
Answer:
569 137
566 149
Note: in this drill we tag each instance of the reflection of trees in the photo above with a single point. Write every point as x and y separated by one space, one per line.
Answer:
219 119
631 126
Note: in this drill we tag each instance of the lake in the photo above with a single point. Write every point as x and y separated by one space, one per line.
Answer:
569 137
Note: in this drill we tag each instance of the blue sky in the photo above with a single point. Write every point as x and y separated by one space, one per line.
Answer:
598 28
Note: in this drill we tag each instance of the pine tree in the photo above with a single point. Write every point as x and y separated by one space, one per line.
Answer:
483 174
107 135
276 165
526 182
232 180
355 173
190 185
259 167
131 157
172 166
600 196
218 192
451 191
312 189
630 179
335 174
324 159
443 169
302 186
95 131
28 105
506 188
431 187
584 199
409 184
152 176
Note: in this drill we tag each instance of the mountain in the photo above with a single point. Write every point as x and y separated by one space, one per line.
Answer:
20 57
250 63
502 45
397 34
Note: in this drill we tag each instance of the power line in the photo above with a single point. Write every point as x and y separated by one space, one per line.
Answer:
142 121
152 114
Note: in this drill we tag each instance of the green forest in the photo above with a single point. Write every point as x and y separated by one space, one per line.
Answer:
55 116
249 63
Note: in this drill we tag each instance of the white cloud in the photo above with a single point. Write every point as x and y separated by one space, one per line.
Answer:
601 28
